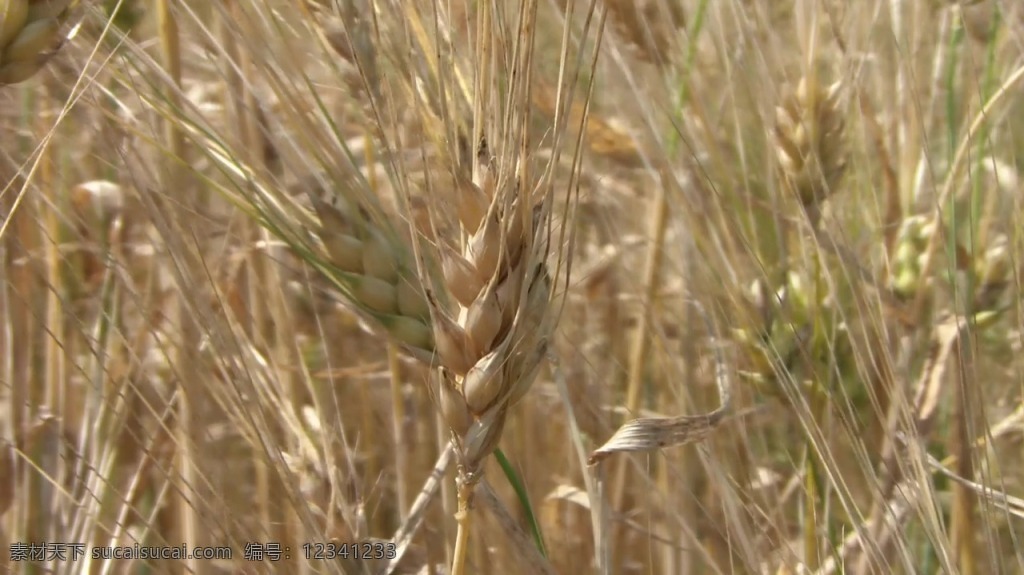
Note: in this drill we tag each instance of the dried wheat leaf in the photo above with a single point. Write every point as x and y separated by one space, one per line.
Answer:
929 386
650 433
999 499
524 546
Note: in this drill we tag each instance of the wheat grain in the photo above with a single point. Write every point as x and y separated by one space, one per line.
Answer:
29 36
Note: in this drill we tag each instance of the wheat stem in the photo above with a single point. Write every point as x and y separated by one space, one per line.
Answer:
398 430
464 519
184 525
638 349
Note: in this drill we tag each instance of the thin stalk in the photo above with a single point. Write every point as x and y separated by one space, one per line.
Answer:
809 529
398 432
54 309
183 526
819 407
638 348
238 102
652 264
447 487
985 204
962 519
25 328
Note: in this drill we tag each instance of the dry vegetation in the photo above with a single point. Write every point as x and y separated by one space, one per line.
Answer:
663 286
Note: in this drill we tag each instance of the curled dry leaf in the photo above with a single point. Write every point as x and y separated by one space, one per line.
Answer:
929 386
650 433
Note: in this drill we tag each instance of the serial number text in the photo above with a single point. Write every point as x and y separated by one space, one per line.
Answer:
358 551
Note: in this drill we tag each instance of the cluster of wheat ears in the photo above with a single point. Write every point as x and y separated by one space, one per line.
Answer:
478 301
429 168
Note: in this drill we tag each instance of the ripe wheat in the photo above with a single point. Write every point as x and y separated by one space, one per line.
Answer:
489 348
808 139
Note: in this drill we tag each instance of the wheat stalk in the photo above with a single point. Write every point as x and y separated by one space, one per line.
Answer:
29 36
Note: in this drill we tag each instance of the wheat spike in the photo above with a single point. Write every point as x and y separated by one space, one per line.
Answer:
502 326
378 272
647 25
475 307
487 349
29 36
808 140
905 268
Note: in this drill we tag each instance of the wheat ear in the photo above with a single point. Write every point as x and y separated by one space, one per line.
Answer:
808 141
375 269
29 36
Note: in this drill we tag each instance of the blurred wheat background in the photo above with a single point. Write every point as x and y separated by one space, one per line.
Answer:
731 286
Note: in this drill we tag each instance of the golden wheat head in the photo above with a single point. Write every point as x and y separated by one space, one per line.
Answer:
484 328
492 350
376 269
808 140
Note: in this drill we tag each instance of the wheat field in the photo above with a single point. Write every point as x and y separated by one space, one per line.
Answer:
573 286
